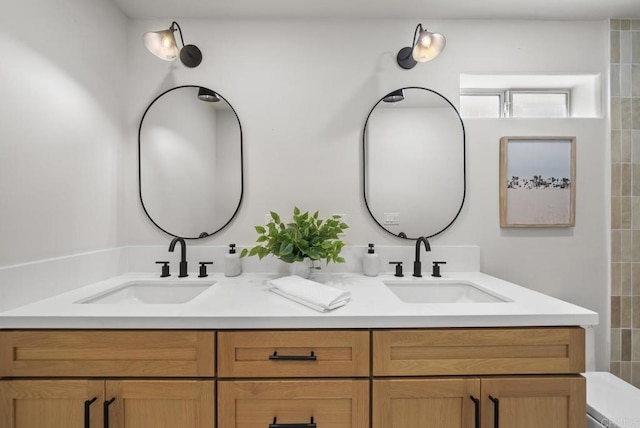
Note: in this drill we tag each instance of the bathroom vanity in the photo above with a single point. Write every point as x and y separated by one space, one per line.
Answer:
237 355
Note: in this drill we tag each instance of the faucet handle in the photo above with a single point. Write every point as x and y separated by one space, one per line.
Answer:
398 268
165 269
203 269
436 269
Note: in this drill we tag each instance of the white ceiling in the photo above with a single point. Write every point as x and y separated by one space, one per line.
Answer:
353 9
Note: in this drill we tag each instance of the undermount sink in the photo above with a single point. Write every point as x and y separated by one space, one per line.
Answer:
151 292
441 291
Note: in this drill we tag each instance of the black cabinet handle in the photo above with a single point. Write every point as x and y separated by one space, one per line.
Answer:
496 411
106 411
476 403
87 411
275 424
311 357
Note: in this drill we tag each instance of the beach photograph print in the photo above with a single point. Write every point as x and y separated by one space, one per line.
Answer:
537 181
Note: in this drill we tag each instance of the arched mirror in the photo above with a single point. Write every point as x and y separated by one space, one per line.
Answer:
414 163
190 162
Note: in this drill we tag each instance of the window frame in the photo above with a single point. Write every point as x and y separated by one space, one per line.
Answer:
506 98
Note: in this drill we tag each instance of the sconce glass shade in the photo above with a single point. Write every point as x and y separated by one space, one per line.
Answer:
424 47
428 46
162 44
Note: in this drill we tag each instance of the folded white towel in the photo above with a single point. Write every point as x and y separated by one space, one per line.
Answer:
317 296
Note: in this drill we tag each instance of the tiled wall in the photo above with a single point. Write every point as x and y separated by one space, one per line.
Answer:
625 199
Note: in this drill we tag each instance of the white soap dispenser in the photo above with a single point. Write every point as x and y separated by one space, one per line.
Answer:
232 266
371 264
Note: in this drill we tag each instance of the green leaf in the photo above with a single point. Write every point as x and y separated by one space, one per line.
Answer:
244 252
275 216
261 229
296 211
286 249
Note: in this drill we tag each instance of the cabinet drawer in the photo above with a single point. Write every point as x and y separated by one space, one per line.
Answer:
85 353
478 351
293 354
331 403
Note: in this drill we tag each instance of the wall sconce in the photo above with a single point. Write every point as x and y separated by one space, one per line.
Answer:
163 45
425 47
394 97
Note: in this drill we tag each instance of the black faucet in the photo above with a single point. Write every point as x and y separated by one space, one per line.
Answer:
183 255
417 266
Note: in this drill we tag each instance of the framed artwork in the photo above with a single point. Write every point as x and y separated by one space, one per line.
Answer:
537 181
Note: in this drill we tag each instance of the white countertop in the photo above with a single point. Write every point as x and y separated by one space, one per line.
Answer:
245 302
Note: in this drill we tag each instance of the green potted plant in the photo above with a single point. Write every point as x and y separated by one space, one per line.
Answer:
306 237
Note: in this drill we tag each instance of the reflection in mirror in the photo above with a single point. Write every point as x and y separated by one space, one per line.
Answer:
414 163
190 162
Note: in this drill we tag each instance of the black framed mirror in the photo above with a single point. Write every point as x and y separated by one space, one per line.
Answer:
414 157
190 162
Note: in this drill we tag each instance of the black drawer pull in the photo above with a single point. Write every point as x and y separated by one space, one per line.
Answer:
87 412
275 424
476 403
496 411
106 405
311 357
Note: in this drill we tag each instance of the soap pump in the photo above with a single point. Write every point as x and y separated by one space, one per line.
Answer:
232 266
371 265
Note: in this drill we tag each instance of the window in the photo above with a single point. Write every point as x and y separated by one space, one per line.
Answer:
515 102
539 104
481 104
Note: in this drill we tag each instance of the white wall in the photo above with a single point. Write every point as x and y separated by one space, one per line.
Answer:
61 80
302 90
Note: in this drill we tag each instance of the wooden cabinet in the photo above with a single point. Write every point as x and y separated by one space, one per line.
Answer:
534 402
478 351
522 402
329 403
454 378
331 388
425 403
51 403
129 403
161 403
547 392
107 353
48 399
330 353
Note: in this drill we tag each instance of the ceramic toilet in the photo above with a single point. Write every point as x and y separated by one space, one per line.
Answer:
611 402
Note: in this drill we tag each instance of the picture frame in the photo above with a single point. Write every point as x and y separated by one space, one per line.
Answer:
537 181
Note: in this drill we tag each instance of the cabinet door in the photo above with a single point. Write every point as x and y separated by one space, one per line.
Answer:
51 403
161 404
540 402
478 351
264 354
258 404
425 403
107 353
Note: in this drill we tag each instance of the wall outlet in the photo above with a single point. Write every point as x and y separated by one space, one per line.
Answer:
391 218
